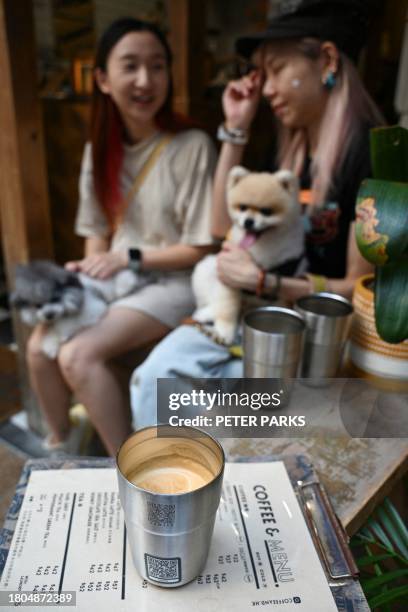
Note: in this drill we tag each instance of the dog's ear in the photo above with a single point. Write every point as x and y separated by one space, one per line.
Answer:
16 301
38 281
31 287
235 175
288 181
56 273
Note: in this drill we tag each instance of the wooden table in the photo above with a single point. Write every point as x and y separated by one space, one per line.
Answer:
357 473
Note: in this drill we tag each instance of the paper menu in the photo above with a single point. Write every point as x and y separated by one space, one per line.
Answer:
70 535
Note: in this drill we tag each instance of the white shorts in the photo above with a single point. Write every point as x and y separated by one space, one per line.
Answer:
168 298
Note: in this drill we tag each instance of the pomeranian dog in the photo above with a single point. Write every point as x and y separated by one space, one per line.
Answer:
266 220
66 302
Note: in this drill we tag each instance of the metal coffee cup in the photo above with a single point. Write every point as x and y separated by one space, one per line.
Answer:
273 339
169 534
327 318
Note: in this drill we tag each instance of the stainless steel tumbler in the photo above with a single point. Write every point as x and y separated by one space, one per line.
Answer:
327 318
273 338
169 534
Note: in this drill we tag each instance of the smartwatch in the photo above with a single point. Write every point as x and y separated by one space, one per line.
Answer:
135 259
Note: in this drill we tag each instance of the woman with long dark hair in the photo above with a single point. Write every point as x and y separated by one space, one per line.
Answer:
145 197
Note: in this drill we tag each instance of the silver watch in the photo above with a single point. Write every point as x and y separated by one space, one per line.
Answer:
232 135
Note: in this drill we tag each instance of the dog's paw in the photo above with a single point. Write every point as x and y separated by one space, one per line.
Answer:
50 346
204 315
225 331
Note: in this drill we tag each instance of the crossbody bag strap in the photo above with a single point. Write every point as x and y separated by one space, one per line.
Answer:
147 166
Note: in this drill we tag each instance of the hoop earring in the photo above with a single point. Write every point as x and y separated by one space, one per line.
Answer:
329 81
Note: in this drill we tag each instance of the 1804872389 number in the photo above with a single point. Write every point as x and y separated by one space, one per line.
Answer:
30 598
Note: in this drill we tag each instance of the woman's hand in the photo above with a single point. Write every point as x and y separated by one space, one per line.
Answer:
240 100
236 268
100 265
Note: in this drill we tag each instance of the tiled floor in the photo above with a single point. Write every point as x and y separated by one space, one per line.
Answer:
17 444
16 433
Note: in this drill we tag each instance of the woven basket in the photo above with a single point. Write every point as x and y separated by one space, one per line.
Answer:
386 365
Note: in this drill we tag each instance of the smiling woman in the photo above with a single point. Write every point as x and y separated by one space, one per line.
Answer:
293 86
137 79
145 198
132 99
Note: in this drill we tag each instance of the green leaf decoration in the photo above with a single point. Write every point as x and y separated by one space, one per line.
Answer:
382 230
393 529
370 559
391 301
398 522
389 153
384 560
379 532
382 221
371 584
400 593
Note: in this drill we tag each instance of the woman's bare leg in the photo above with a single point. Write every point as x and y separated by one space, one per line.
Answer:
83 361
50 388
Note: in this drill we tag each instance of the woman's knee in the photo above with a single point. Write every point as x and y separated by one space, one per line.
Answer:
160 362
35 356
75 359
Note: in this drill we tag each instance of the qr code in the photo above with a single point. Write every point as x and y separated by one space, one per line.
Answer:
163 570
161 515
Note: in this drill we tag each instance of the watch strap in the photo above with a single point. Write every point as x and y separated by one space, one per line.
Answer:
135 259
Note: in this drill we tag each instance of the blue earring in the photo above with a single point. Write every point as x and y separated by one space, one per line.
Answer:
330 81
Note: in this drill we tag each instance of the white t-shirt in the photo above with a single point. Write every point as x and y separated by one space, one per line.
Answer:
172 206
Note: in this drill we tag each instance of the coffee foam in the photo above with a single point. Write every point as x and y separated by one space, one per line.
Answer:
171 474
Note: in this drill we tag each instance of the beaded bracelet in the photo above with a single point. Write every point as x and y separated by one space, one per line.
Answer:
260 286
318 283
274 294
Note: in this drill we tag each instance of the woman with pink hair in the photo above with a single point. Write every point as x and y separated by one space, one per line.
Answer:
303 66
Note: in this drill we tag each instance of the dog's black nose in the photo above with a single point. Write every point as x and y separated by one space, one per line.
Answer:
49 316
248 224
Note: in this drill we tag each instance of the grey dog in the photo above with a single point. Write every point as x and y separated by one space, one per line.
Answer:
65 301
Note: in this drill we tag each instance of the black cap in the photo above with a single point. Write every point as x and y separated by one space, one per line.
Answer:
344 22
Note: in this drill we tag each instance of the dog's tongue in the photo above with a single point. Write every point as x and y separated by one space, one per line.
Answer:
248 240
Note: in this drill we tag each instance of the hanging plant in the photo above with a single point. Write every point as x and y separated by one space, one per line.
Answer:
382 230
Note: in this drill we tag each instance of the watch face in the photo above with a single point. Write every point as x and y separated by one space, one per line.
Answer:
135 255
